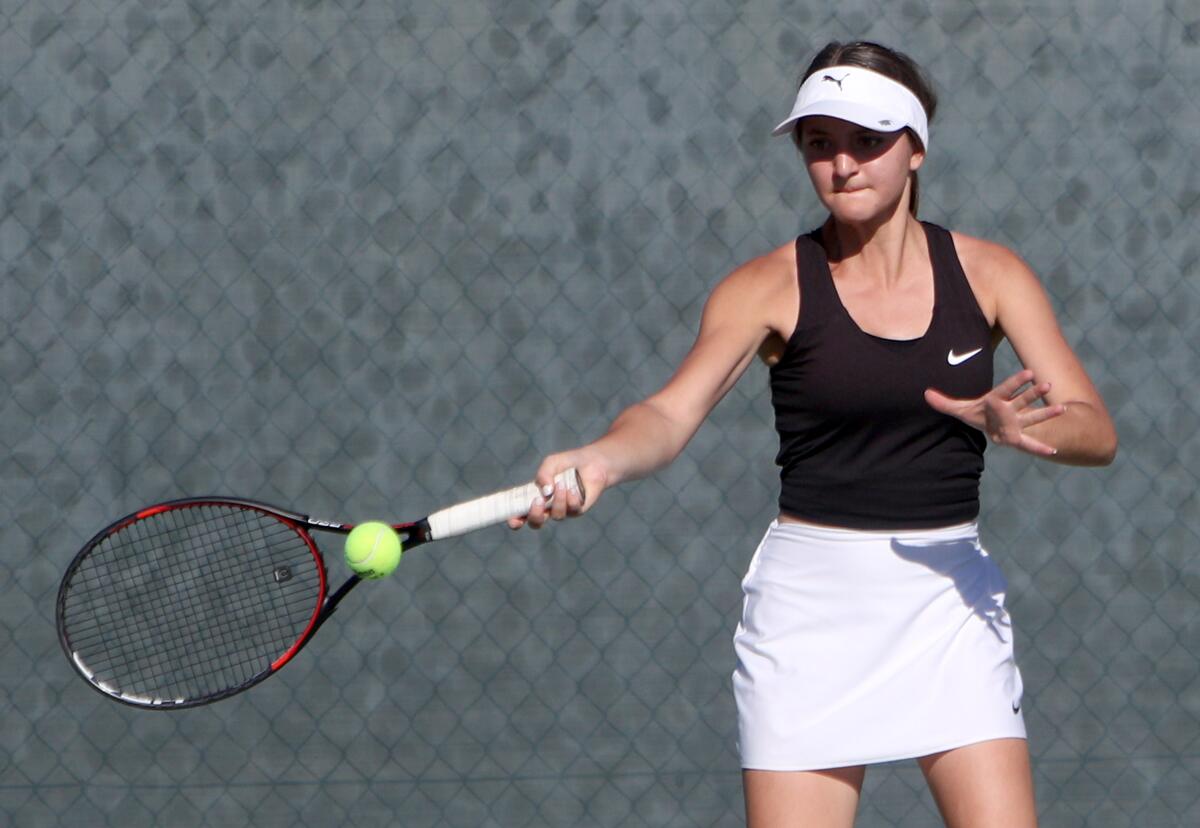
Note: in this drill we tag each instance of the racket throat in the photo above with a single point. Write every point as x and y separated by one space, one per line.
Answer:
414 534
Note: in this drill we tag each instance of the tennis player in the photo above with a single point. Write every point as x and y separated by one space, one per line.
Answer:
874 626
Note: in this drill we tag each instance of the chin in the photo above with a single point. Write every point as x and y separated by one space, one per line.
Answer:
856 214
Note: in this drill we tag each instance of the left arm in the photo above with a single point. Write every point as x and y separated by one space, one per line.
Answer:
1073 426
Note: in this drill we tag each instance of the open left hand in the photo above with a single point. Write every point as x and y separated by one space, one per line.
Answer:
1005 412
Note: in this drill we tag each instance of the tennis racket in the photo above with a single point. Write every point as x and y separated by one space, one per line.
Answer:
191 601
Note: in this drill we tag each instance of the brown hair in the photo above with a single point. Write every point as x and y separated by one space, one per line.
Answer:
887 62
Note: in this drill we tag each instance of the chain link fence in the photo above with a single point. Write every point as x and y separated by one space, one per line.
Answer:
362 257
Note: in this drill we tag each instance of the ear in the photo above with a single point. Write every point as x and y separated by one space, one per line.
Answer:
918 155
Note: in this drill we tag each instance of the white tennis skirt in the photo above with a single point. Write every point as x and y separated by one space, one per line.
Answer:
861 646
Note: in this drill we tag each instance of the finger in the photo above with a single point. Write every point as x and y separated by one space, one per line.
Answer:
1033 416
1030 395
574 502
556 498
1009 387
537 513
1034 446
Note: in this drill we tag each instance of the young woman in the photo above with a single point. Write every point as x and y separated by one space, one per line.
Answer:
874 626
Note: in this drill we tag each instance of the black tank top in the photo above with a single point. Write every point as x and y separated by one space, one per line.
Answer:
858 445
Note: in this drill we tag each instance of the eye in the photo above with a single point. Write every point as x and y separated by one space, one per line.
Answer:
870 140
817 144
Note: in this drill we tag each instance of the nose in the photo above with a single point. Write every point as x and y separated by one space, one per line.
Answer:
844 164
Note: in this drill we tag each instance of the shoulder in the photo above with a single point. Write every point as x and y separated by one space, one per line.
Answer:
757 286
989 260
766 273
1008 289
761 296
995 272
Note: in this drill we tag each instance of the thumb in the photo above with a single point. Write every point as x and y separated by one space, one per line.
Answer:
552 470
941 402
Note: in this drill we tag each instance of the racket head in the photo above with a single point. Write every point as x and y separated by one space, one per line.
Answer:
190 601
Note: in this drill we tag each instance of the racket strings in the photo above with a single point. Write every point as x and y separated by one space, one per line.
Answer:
206 647
221 654
191 602
126 643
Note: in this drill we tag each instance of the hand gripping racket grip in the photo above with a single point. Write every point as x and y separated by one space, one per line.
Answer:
494 508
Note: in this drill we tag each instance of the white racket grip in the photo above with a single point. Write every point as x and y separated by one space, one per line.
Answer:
494 508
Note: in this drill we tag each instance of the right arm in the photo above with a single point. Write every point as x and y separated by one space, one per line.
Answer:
756 301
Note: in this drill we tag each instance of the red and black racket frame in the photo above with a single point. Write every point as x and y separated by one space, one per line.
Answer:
411 535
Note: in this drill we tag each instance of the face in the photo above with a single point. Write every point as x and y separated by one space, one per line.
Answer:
859 174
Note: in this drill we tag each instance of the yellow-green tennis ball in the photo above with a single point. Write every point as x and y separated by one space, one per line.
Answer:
373 550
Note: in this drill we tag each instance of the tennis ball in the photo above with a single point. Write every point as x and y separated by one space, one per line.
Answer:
373 550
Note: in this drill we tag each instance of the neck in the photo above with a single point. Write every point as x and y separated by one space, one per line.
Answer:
877 248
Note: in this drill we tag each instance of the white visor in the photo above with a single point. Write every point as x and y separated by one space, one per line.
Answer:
861 97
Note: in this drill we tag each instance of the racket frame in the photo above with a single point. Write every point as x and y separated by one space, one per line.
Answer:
411 535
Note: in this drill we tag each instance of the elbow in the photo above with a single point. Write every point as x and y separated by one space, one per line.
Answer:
1104 448
1095 436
